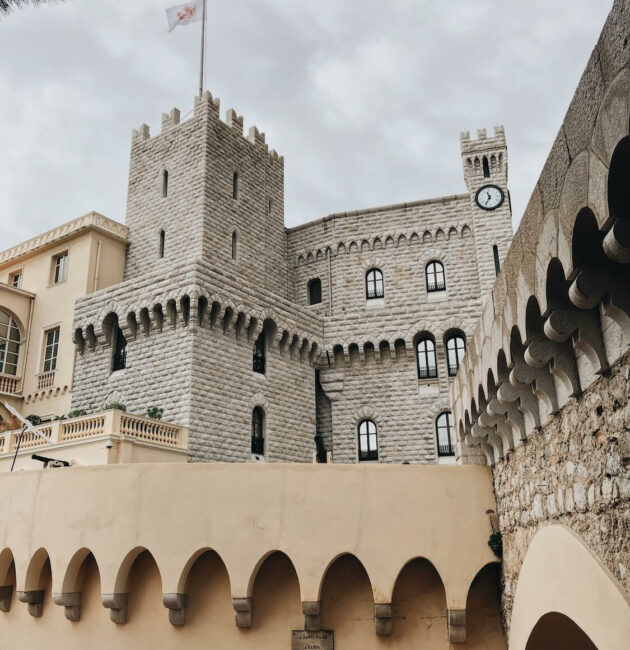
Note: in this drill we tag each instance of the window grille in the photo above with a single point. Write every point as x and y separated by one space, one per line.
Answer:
427 362
259 354
455 351
368 441
258 431
374 286
445 434
436 279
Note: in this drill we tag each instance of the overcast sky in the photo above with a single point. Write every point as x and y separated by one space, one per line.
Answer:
364 98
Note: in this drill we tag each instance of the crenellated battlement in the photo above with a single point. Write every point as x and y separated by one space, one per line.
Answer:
482 141
209 106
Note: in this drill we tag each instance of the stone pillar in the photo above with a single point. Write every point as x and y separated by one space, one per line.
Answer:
118 606
456 619
176 605
244 612
71 602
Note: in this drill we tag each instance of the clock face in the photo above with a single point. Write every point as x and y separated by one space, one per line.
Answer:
489 197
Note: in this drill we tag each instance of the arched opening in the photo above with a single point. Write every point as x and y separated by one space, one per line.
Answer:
455 351
436 279
486 167
162 244
426 357
445 433
277 605
618 185
483 614
165 183
374 286
260 353
347 603
368 440
557 631
314 291
419 606
10 341
258 431
144 586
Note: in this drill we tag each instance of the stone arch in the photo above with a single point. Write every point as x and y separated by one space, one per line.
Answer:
483 614
617 241
309 258
121 585
71 576
466 231
377 244
427 237
548 582
319 255
34 571
414 239
365 246
557 631
402 240
341 248
389 242
452 232
439 235
354 247
300 260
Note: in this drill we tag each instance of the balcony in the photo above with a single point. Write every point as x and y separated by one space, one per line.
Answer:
10 385
103 438
46 380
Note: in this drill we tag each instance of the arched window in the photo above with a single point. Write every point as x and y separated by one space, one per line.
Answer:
314 291
445 434
9 345
436 280
455 351
259 354
486 167
234 244
119 361
235 186
497 262
427 363
374 287
165 183
258 431
162 243
368 441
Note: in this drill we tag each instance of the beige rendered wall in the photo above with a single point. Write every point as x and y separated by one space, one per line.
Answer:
278 534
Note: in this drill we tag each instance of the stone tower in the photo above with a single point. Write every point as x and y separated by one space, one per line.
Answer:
200 190
485 163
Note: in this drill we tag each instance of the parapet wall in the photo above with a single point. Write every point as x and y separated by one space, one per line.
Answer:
385 564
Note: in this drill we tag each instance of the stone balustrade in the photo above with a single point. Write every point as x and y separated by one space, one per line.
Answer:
9 385
112 425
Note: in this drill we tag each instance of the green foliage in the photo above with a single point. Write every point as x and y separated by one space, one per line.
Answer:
114 406
496 544
7 5
77 413
59 417
155 412
35 420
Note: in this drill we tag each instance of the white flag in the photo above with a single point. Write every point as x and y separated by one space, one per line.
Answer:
189 12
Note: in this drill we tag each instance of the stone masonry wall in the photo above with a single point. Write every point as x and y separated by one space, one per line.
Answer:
575 472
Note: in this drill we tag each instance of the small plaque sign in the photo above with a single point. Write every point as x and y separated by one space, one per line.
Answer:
303 640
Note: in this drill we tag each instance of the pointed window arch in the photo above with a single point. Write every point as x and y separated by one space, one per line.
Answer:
258 431
455 351
374 285
427 360
436 278
368 440
445 433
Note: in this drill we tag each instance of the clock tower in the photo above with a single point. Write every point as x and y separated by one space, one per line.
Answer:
485 163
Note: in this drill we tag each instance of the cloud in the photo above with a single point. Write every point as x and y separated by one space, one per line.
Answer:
364 98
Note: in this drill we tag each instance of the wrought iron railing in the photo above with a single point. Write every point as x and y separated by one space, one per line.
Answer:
120 360
446 450
427 372
437 285
452 369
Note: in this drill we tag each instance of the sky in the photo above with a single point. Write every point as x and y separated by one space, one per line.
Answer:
364 98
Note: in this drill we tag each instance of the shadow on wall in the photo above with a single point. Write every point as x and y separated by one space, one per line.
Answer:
559 632
347 607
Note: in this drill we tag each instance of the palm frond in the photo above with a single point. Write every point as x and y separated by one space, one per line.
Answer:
7 5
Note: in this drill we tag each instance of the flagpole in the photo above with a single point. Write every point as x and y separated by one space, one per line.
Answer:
203 45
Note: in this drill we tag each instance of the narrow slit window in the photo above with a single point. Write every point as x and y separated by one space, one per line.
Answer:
497 262
165 183
235 186
259 354
234 244
486 167
162 243
119 361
